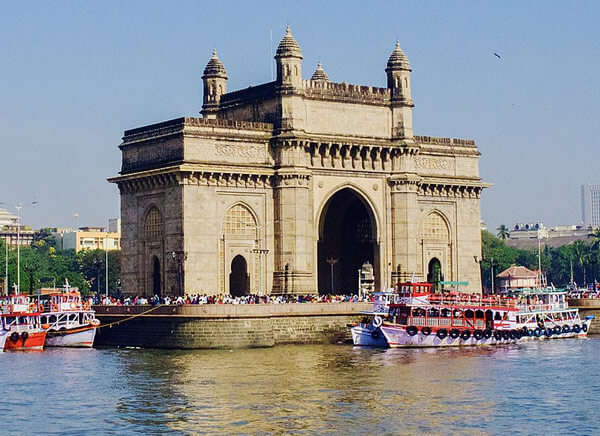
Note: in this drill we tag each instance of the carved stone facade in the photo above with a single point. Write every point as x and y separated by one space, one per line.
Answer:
290 186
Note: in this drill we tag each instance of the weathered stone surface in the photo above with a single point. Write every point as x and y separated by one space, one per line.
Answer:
281 152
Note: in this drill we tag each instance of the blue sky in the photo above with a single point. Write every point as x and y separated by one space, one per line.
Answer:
75 75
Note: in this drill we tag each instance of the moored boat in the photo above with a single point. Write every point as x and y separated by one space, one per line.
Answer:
20 320
420 319
545 314
70 321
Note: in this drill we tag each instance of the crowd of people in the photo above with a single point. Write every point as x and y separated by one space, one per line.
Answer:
223 299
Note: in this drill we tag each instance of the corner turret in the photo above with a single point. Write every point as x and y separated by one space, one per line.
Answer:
398 81
215 85
289 61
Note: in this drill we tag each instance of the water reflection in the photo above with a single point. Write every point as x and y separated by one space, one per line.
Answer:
307 390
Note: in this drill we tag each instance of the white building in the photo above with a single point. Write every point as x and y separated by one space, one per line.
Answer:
590 205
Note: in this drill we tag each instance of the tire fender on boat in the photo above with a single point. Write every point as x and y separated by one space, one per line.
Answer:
412 330
377 321
478 334
466 334
584 327
454 333
537 332
14 336
566 329
24 336
576 328
426 330
442 333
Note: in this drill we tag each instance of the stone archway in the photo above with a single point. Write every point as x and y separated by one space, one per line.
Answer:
239 279
347 239
434 272
156 276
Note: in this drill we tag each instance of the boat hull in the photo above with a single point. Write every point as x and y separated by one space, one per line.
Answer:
551 333
34 341
76 338
3 336
398 337
368 336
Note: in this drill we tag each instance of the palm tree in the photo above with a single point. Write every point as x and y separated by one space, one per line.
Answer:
503 232
580 255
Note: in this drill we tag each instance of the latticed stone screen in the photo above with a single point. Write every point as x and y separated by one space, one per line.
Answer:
239 221
153 224
435 228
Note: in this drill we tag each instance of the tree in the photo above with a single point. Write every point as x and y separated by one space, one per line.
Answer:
580 255
503 232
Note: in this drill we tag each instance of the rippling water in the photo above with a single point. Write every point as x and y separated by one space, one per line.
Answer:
544 386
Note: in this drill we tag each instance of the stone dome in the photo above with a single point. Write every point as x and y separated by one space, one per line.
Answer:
288 46
214 67
398 60
319 74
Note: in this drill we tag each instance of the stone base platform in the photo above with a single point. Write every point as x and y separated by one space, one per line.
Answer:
588 306
226 326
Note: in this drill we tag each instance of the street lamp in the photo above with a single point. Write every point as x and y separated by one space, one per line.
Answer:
332 261
18 207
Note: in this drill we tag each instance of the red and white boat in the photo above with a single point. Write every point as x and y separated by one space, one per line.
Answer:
421 318
70 321
20 322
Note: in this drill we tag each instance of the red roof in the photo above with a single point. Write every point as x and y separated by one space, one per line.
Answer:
519 272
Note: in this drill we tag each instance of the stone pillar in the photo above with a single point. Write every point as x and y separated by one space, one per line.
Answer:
405 232
293 257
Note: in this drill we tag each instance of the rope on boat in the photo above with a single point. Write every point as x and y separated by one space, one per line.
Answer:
128 319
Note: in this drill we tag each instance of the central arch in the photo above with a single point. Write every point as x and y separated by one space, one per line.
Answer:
347 239
238 278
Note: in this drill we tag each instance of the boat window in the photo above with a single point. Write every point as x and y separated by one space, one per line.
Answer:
469 313
479 314
446 313
433 312
497 316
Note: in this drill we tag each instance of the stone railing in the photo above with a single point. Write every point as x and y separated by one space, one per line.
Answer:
444 141
319 88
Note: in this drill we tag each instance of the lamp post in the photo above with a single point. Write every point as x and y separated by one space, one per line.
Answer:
492 268
106 263
18 207
332 261
260 252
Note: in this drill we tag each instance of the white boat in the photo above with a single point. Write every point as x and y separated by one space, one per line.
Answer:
545 314
367 333
69 321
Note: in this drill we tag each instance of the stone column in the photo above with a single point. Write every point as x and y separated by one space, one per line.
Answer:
405 231
293 257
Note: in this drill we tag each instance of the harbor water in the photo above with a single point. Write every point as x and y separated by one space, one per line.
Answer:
548 387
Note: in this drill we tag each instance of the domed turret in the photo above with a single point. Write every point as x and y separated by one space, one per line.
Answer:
319 74
214 67
288 46
215 85
289 61
398 81
398 60
398 76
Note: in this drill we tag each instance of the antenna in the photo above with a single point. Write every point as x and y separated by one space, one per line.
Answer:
271 49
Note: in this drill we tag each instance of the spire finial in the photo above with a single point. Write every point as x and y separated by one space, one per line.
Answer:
214 55
287 29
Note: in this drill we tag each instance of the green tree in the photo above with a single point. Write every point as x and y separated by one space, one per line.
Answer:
503 232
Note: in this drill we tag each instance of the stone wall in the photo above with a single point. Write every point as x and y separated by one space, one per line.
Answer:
588 307
196 327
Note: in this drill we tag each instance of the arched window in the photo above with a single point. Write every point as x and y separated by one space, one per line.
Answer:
405 82
239 221
435 228
153 224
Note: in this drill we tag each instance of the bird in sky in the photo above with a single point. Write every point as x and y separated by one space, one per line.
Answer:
497 55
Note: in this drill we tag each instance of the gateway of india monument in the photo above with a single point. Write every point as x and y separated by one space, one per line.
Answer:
291 186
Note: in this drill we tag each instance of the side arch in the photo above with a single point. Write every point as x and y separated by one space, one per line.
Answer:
435 232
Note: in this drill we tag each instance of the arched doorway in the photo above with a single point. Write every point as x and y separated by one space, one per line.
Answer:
434 273
238 278
347 239
156 280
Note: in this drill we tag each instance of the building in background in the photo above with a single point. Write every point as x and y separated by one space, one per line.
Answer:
525 235
590 205
517 277
10 232
89 238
